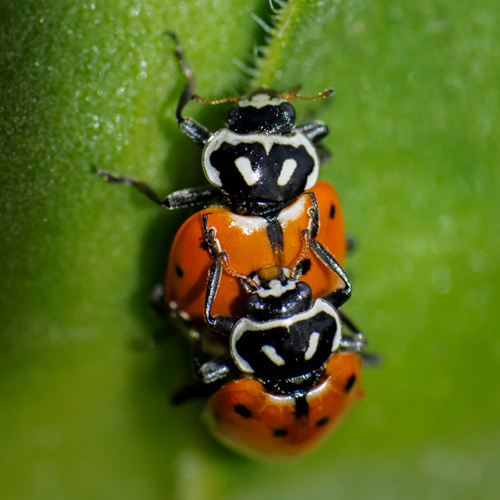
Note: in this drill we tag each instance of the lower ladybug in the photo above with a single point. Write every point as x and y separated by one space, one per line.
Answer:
289 374
264 422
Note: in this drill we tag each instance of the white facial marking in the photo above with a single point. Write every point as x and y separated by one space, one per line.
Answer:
260 100
271 353
245 168
276 289
289 166
313 345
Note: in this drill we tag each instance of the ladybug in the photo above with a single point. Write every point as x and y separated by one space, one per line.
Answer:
258 421
290 374
263 170
259 164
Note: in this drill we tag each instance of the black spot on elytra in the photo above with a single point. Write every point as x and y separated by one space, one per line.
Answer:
179 271
204 245
243 411
280 433
216 416
306 265
322 421
350 383
332 211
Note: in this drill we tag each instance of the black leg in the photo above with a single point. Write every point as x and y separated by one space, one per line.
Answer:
157 301
314 131
356 342
314 215
178 199
352 243
212 375
337 297
207 371
221 324
324 154
193 390
349 323
195 131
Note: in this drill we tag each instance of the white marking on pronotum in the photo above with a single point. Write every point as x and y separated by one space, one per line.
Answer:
289 166
244 166
313 345
266 140
271 353
212 174
246 326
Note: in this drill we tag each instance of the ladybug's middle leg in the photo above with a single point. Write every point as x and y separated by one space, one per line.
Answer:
356 342
183 198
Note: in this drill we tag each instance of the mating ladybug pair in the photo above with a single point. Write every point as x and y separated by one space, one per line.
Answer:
257 275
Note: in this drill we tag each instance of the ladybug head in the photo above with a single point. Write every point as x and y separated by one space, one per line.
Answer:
262 111
279 298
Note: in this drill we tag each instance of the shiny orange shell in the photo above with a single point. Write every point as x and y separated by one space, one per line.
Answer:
247 245
254 422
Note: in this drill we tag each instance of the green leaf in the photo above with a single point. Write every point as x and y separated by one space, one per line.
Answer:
415 132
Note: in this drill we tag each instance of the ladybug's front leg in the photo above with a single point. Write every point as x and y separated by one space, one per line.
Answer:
220 324
194 130
338 297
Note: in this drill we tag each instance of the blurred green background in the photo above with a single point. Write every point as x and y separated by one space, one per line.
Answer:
415 135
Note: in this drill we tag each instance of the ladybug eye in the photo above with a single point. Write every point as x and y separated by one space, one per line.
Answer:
288 111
